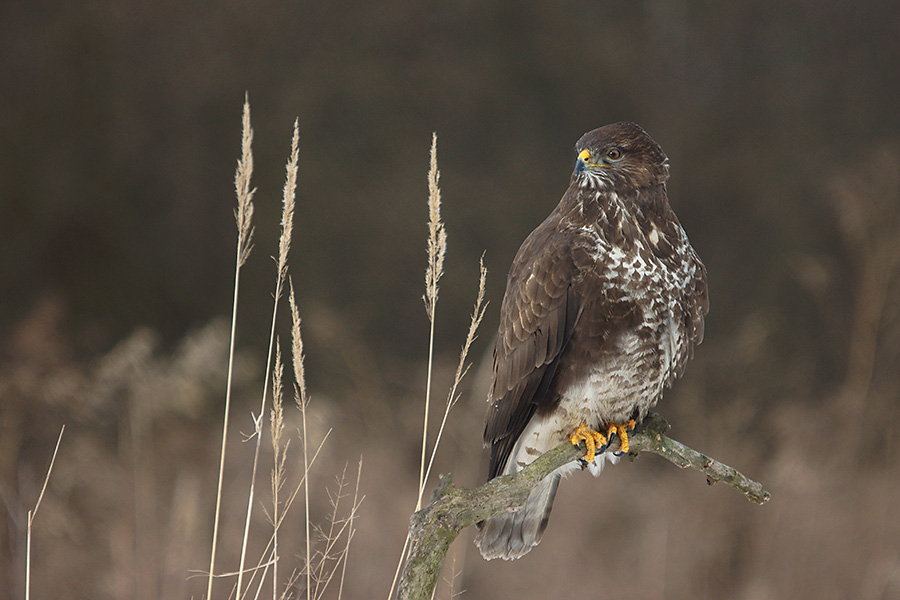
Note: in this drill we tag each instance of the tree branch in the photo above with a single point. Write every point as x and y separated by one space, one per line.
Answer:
453 508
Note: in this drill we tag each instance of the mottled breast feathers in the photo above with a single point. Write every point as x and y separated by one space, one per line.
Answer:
611 257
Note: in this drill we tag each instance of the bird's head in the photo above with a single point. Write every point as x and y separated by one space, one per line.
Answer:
620 155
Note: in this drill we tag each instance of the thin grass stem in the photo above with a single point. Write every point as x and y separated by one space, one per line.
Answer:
33 513
350 534
462 368
302 399
283 249
437 249
243 217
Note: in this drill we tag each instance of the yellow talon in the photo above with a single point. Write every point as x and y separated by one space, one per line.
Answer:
592 439
622 431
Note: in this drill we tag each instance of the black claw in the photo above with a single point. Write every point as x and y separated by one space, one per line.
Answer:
617 453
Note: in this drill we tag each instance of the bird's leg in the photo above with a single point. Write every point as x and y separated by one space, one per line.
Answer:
592 439
621 430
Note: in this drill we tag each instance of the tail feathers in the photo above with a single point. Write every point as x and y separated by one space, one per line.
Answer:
513 535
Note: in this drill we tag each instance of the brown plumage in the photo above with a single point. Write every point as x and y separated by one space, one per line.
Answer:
604 302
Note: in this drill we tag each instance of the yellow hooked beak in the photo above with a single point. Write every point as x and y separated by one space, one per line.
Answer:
584 162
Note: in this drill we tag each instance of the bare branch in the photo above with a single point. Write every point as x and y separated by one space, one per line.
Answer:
655 441
454 508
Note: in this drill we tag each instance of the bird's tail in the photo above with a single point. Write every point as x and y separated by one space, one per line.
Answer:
513 535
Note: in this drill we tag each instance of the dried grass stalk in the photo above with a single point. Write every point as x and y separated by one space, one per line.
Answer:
33 513
284 247
243 215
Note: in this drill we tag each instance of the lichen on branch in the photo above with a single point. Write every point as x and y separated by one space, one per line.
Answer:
453 508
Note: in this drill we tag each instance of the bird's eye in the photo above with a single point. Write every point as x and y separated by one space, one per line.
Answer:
614 154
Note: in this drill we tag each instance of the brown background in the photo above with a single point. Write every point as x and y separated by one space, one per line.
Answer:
120 127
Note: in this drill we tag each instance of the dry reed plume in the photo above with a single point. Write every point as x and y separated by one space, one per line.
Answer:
437 248
284 246
243 216
322 560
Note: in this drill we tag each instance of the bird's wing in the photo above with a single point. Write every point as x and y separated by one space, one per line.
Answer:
694 306
537 317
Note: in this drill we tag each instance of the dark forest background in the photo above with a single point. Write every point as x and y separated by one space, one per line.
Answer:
119 132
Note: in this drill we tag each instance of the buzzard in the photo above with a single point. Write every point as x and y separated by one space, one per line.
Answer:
604 303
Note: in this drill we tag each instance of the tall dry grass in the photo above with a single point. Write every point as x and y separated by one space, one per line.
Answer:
437 249
325 557
33 513
323 563
243 215
284 246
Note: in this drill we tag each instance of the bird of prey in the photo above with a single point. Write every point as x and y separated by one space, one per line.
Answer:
604 303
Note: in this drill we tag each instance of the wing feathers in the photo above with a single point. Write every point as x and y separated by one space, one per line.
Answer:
536 320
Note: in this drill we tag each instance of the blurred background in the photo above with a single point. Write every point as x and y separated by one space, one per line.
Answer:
120 129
